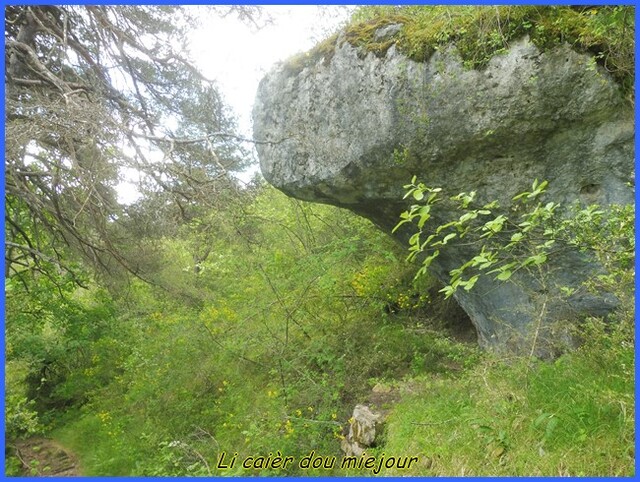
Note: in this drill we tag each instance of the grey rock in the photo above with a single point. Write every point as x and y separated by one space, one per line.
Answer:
329 133
364 427
387 32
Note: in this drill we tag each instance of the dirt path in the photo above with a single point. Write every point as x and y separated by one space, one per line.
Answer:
45 457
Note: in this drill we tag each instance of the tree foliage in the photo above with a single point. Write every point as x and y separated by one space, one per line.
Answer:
93 94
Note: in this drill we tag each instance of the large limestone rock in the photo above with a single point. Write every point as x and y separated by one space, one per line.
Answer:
332 131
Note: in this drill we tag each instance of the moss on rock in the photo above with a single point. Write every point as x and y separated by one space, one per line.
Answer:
480 32
322 52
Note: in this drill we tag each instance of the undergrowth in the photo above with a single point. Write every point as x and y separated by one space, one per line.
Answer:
571 417
300 315
330 318
302 327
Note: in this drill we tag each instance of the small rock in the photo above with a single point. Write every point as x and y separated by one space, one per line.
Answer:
364 426
387 31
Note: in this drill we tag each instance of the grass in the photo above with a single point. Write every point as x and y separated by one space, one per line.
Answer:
485 417
479 33
460 412
571 417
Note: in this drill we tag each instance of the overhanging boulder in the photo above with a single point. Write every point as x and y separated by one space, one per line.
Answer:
352 128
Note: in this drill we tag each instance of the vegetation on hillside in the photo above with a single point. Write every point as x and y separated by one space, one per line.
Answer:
213 318
266 347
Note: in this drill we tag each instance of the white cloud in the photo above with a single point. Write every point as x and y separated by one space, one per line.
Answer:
237 57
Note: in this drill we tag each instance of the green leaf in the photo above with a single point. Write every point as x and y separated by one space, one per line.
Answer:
486 264
551 425
541 418
429 259
468 216
400 224
535 259
504 267
526 226
424 214
539 258
448 237
471 282
445 226
423 220
448 291
427 241
495 225
521 195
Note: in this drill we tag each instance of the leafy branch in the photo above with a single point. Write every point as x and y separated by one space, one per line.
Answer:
507 244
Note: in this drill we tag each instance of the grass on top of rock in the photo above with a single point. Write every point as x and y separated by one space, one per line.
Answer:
480 32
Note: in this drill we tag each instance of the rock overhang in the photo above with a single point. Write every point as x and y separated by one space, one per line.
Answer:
353 130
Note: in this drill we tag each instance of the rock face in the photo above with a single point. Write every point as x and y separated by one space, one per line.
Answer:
332 132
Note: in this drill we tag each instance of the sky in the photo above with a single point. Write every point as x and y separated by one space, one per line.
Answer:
237 54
